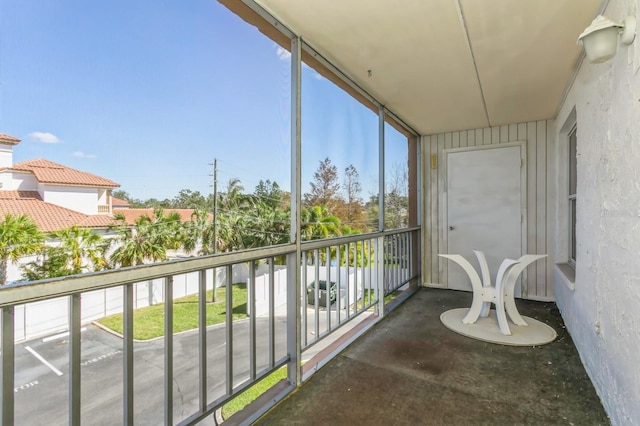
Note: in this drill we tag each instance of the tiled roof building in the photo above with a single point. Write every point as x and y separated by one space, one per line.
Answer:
132 214
48 217
54 196
46 171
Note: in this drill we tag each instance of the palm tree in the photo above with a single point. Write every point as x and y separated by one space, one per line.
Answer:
140 243
198 233
79 251
317 223
81 244
19 236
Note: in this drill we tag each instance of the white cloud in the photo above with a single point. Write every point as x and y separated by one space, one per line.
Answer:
81 154
283 54
44 137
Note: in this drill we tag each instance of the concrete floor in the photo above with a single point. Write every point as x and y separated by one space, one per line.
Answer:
411 370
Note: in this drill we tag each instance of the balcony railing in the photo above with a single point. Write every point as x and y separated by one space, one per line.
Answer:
104 209
295 300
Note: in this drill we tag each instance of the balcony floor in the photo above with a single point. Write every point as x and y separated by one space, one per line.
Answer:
410 369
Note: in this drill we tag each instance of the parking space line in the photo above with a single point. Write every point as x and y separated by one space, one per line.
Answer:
60 335
44 361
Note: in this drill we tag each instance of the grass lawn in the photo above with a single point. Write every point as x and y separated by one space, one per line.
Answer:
250 395
148 322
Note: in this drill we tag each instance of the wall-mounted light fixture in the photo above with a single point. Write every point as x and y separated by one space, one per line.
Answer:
600 39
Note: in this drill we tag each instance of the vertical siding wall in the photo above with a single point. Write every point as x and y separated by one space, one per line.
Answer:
538 283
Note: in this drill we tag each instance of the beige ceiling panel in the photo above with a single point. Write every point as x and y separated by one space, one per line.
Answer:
525 53
417 51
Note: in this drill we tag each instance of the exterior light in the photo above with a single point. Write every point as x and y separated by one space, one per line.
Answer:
600 39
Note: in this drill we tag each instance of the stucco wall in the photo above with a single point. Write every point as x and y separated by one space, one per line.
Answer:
80 199
13 181
6 155
602 311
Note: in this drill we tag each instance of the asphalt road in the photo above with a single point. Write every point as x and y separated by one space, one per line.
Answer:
42 367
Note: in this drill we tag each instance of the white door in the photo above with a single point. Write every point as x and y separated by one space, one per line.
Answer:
484 207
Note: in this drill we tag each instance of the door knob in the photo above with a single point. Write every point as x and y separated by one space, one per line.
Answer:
451 228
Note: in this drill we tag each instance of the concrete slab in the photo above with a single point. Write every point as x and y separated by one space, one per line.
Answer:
411 370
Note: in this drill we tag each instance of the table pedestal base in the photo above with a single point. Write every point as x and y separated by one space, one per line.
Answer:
535 333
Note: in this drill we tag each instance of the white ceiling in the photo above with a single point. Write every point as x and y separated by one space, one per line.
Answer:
444 65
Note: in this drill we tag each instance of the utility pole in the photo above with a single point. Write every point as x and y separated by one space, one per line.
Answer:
215 219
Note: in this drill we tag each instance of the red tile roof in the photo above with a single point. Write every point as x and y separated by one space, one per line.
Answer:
47 171
48 217
132 214
118 202
8 139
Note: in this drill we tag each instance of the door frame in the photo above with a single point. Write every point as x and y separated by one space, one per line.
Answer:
444 218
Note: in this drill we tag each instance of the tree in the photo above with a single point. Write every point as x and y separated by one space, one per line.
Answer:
148 240
85 249
188 199
52 262
78 251
233 218
198 233
324 187
269 226
124 195
396 200
19 236
317 223
352 189
269 194
371 210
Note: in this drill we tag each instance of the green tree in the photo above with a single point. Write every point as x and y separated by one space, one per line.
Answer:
124 195
78 250
52 262
234 218
188 199
19 236
198 233
148 240
317 223
269 194
86 250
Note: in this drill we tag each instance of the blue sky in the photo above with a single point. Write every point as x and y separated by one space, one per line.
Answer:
148 92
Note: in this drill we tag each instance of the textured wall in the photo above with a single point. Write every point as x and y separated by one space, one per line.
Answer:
602 312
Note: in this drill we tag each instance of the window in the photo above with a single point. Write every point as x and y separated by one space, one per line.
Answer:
573 142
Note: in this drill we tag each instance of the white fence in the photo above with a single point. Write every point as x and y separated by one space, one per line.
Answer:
51 316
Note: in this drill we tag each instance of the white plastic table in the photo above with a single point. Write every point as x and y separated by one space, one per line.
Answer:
501 295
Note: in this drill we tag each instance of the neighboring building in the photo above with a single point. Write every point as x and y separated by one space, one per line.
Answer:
119 203
132 214
53 195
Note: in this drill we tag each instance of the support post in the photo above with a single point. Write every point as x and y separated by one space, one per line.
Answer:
293 260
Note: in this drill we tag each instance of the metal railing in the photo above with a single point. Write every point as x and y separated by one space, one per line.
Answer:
339 281
199 371
400 258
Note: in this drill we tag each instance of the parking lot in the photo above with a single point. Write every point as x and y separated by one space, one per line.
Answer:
42 374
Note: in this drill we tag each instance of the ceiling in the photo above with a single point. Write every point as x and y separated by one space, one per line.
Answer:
445 65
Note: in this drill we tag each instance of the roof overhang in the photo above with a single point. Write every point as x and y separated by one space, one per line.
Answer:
449 64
